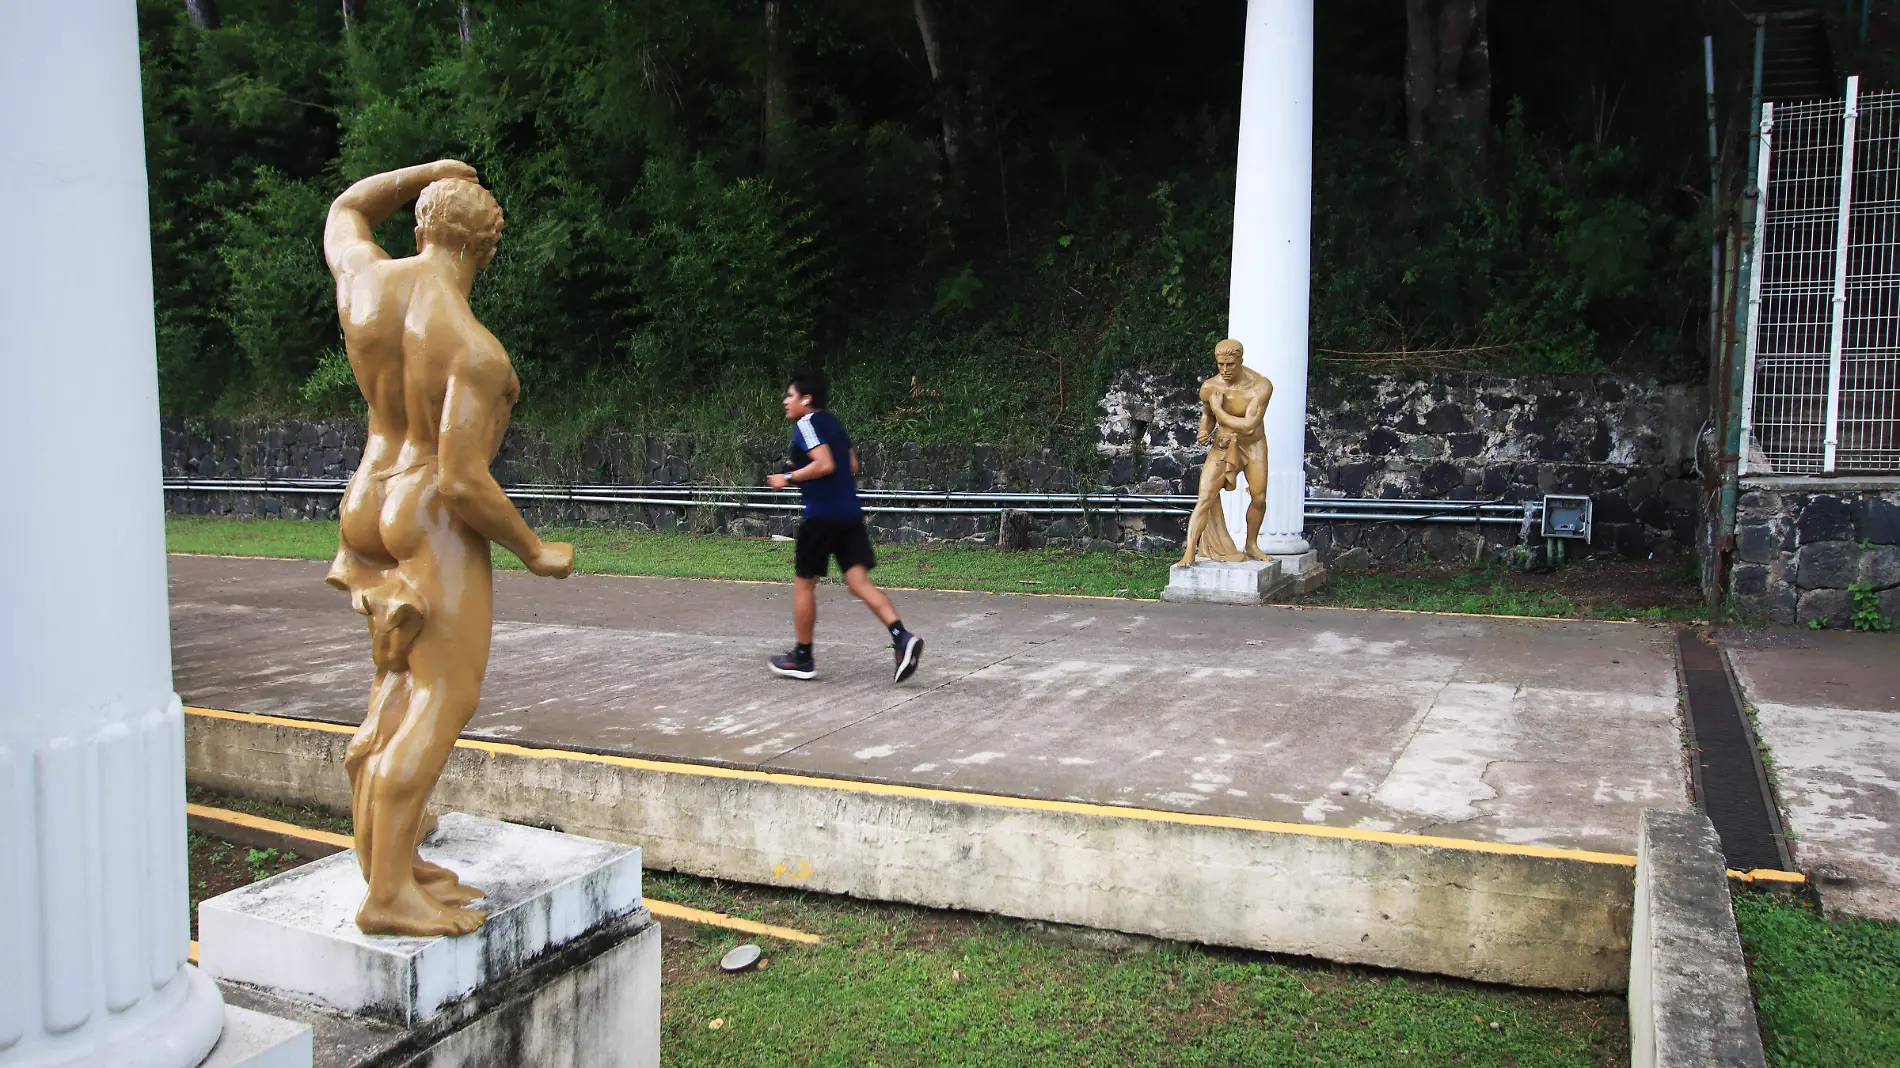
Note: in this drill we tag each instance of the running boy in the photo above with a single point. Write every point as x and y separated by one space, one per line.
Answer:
823 465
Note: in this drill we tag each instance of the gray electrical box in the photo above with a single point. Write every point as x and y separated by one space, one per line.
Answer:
1567 517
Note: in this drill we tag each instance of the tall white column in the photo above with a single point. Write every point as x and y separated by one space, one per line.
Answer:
94 920
1273 226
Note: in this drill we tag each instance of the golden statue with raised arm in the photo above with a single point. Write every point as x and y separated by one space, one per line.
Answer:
418 516
1233 427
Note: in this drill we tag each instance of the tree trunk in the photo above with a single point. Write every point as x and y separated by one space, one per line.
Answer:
352 14
778 90
942 79
465 15
1448 75
203 13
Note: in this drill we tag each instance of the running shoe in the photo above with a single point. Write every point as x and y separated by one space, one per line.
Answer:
790 666
909 649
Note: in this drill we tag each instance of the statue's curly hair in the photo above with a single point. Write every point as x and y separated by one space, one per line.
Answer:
1230 345
456 211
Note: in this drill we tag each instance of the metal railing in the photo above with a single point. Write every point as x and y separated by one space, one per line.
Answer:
914 502
1822 384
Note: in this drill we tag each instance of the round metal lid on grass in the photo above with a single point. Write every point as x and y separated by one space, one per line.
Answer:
741 958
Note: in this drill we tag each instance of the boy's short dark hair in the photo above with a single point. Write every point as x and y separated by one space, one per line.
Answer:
812 383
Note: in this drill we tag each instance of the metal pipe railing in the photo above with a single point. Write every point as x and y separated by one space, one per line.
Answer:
914 502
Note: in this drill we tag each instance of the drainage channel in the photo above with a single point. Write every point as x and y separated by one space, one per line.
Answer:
1731 786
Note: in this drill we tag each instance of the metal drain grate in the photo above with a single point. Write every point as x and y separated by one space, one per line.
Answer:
1730 785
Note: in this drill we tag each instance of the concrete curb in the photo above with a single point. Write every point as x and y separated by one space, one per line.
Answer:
1689 999
1524 915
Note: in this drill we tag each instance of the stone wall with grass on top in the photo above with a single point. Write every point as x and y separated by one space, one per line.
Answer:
1627 443
1817 551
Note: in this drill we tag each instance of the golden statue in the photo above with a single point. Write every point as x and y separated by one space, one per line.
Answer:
418 516
1233 416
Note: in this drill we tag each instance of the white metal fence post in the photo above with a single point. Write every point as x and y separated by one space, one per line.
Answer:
1831 440
1758 239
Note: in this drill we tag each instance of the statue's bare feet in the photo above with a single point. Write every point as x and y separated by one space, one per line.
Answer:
444 885
1185 561
416 914
1256 554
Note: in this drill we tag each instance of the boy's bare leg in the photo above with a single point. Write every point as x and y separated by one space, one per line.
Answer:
804 609
858 581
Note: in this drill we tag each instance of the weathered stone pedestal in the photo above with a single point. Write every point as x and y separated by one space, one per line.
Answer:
1302 571
1214 582
565 972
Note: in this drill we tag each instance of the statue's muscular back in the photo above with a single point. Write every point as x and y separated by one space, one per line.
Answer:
407 331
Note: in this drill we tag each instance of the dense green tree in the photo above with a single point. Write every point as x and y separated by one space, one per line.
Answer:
948 202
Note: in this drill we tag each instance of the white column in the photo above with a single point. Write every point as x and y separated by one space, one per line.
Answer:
94 921
1273 226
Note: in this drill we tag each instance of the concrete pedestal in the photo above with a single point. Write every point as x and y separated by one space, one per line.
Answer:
1213 582
1302 571
565 970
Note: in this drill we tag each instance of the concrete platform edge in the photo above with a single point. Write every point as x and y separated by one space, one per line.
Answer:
1519 918
1690 1003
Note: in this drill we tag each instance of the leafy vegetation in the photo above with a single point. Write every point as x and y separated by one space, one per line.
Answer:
1867 614
673 250
1827 992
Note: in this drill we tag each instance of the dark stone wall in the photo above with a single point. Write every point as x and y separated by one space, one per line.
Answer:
1627 443
1799 546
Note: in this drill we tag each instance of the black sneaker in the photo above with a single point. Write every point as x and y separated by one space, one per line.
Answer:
910 649
790 666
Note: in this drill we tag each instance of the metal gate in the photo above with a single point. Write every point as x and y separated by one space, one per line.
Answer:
1823 345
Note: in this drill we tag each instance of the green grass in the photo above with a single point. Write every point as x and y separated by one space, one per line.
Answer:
609 551
1827 991
1482 590
895 985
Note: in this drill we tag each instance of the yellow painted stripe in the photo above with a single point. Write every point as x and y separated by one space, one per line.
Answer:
658 908
193 957
1767 875
259 823
1075 808
668 910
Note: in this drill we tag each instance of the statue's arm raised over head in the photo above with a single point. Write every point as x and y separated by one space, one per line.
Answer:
347 242
481 391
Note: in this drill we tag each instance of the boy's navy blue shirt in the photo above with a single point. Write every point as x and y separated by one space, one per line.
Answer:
834 496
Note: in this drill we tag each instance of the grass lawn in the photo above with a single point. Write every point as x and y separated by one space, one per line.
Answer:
1585 590
894 985
1827 991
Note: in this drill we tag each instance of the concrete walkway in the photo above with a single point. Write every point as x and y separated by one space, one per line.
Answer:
1519 731
1827 705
